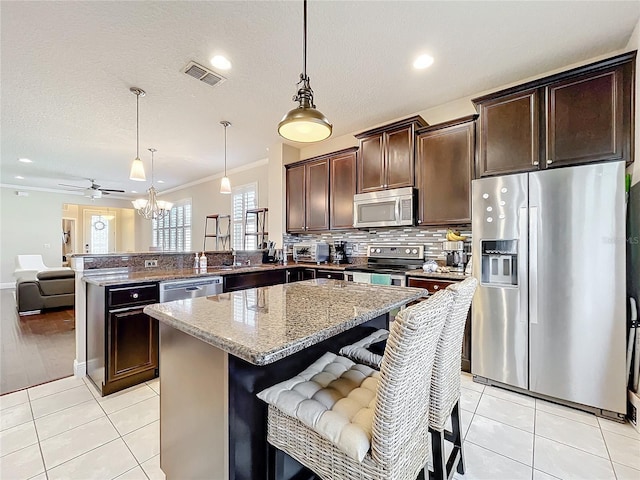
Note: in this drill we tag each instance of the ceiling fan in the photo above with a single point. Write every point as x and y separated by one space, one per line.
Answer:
94 190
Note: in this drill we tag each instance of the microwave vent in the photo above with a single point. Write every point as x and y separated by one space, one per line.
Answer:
203 74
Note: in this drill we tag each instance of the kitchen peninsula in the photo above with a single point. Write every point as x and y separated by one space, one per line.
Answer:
217 352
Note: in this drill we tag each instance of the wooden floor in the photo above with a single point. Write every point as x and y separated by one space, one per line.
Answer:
34 349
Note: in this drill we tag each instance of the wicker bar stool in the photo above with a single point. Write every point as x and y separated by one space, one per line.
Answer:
347 421
445 383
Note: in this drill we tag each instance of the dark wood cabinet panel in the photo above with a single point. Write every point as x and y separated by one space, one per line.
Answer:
241 281
342 187
333 274
582 115
317 195
400 156
434 286
509 134
320 192
295 209
387 155
371 173
444 166
133 344
584 121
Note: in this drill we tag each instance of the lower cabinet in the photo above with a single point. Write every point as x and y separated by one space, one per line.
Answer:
240 281
122 341
434 286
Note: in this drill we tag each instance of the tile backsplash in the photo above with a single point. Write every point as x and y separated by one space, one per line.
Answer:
359 240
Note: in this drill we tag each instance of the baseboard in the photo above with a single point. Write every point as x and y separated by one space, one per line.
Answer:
79 368
6 285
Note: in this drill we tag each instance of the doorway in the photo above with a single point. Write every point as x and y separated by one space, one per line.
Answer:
69 236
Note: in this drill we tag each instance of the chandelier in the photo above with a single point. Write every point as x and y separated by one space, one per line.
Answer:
152 208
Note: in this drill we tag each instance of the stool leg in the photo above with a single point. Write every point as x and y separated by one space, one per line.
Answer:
437 450
457 435
275 463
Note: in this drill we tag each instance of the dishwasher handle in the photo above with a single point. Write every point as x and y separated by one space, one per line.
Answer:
189 289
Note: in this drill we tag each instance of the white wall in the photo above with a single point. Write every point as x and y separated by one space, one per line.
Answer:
28 224
206 199
634 44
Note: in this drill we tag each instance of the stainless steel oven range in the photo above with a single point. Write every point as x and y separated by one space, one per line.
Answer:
387 264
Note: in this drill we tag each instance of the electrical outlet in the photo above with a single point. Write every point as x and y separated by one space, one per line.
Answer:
150 263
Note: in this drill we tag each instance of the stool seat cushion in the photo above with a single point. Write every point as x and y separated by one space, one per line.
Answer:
335 397
367 350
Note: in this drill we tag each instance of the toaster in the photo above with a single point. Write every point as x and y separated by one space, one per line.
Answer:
311 252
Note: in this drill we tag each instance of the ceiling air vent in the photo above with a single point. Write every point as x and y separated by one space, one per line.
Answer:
204 75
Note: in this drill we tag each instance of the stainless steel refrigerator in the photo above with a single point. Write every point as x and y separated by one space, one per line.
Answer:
549 256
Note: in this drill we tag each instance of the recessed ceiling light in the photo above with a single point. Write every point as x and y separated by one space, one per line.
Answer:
134 191
422 62
160 181
221 62
25 160
19 177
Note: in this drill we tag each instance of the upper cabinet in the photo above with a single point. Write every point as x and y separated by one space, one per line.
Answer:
320 192
342 188
579 116
445 169
387 155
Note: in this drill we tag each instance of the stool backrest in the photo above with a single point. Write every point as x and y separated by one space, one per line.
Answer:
400 435
445 382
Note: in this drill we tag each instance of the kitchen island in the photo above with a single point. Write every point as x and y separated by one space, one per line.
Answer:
217 352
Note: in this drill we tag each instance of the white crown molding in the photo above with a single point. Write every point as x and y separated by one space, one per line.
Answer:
242 168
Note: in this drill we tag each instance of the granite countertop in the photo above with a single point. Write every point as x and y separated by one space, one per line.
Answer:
263 325
437 276
105 278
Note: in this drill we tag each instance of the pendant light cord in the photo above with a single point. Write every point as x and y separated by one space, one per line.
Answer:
138 128
304 41
225 150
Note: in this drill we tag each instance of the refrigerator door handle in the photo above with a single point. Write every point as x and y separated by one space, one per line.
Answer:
533 265
523 227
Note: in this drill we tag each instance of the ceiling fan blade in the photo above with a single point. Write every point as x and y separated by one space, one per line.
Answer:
107 190
71 186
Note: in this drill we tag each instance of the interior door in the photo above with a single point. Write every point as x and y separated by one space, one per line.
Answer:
577 284
99 231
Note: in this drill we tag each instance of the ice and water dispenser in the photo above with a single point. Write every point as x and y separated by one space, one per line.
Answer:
499 262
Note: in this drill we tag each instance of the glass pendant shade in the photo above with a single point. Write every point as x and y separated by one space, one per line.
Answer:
225 186
137 171
304 125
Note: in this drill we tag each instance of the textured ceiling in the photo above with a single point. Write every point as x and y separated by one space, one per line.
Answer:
67 68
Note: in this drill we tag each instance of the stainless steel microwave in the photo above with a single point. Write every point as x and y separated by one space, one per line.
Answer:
387 208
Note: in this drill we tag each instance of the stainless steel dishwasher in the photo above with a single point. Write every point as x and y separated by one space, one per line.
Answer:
184 289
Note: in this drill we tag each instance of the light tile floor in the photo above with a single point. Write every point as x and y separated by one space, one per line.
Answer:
65 430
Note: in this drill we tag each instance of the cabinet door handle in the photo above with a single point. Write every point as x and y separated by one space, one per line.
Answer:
436 287
549 162
328 276
135 295
535 162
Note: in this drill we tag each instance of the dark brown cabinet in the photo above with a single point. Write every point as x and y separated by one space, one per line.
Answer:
241 281
342 188
320 192
579 116
434 286
122 341
584 119
307 188
333 274
509 135
387 155
444 171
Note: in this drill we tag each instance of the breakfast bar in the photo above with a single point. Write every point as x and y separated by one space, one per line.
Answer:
217 352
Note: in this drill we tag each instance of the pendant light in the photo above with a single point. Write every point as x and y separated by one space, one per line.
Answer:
304 123
137 168
152 208
225 184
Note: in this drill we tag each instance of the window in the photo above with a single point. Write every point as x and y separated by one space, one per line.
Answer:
243 198
172 233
